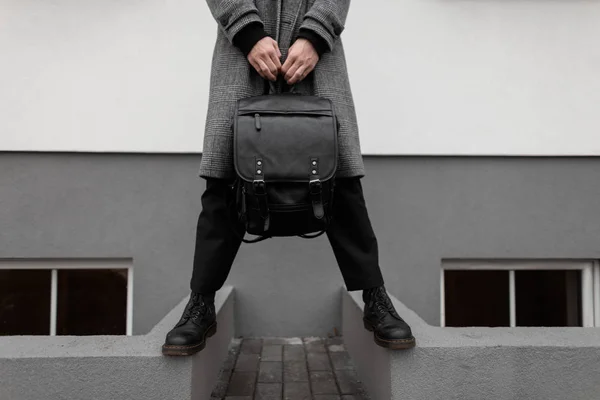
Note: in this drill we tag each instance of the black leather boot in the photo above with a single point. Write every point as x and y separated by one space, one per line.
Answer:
197 323
381 318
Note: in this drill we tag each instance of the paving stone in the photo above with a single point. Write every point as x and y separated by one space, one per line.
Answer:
225 374
341 360
295 371
229 362
268 391
314 345
220 388
362 394
335 348
347 381
247 362
322 382
274 340
241 384
293 352
251 346
270 372
318 361
261 359
335 340
311 339
294 340
272 352
296 391
354 397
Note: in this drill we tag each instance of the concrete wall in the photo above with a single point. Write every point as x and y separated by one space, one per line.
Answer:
475 363
114 367
423 209
429 76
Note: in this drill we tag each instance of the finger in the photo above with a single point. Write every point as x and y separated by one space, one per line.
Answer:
271 65
277 49
276 61
266 73
309 69
298 75
256 66
291 71
289 62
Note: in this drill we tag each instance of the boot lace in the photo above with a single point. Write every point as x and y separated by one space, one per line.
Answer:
197 309
383 304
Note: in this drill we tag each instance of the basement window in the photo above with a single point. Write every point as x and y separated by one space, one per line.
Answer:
66 297
511 293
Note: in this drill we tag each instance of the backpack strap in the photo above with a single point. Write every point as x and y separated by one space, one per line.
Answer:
235 188
316 189
260 190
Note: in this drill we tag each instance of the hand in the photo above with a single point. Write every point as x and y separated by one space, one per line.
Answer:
302 59
264 57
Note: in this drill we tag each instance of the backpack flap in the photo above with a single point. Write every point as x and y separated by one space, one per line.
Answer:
278 138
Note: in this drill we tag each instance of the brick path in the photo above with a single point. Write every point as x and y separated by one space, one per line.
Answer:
289 369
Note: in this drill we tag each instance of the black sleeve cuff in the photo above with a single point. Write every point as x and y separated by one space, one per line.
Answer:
248 36
317 41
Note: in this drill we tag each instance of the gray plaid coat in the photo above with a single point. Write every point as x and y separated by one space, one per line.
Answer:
233 78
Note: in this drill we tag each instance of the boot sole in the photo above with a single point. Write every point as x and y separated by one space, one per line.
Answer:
170 350
397 344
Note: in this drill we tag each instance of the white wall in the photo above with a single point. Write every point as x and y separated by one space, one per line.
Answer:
429 76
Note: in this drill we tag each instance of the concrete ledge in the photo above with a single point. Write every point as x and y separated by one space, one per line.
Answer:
114 367
474 363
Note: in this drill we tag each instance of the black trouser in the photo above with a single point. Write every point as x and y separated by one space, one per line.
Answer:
350 233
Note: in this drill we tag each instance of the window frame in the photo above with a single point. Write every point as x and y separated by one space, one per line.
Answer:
590 282
54 265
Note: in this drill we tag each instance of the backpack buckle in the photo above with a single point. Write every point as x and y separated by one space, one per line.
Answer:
315 186
259 187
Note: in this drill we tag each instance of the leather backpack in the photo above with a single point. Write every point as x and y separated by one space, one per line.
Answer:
285 153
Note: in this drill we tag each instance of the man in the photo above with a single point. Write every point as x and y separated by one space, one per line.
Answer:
299 41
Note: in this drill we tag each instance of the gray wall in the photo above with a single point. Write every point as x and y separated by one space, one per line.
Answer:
114 367
422 208
474 363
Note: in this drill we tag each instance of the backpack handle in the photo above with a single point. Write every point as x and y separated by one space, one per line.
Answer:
278 86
